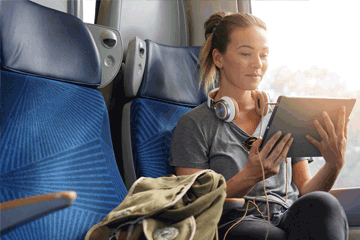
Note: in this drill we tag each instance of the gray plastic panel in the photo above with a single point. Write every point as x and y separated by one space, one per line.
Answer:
244 6
161 21
199 11
128 161
157 20
134 66
109 43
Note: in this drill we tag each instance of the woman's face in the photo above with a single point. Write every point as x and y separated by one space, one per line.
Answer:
245 61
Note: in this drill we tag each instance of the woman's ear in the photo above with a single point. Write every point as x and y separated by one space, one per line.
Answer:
217 58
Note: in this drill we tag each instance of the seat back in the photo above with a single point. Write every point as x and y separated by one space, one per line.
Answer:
54 124
168 89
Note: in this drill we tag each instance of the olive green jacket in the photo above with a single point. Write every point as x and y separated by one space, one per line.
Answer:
181 208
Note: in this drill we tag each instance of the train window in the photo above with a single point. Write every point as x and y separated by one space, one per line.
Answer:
89 11
314 49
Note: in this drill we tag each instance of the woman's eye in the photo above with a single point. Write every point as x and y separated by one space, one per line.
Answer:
245 54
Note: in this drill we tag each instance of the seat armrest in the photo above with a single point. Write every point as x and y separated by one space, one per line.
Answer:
349 199
231 203
21 210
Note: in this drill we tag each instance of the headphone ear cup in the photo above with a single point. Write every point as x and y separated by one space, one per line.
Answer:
232 108
261 100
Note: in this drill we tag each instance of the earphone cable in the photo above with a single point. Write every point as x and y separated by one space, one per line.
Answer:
263 179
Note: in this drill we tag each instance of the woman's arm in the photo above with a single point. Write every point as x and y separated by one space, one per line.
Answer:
323 180
271 156
237 187
332 148
186 171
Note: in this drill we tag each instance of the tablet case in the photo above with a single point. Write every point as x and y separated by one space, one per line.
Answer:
296 115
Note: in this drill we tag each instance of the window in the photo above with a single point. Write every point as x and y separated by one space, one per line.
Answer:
89 11
314 50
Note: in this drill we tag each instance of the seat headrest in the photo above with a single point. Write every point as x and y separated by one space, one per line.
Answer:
171 74
40 41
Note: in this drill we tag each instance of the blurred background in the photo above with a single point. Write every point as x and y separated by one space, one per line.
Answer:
314 51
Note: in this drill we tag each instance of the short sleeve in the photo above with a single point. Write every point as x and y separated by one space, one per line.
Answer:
188 146
298 159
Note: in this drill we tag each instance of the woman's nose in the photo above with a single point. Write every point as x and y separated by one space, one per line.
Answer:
256 62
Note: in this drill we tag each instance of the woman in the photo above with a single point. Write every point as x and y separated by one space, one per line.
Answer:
235 52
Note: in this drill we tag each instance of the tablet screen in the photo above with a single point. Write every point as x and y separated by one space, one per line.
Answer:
296 115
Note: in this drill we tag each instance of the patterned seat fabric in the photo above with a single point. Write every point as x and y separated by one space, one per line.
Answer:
152 124
169 89
55 137
54 134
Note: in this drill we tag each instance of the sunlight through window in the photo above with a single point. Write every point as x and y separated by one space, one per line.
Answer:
314 49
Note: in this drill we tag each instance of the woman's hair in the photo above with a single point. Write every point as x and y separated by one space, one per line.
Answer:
218 29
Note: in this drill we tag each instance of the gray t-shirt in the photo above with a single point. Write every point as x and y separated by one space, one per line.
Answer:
202 140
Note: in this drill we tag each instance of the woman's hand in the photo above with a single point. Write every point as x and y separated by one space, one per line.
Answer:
333 144
271 156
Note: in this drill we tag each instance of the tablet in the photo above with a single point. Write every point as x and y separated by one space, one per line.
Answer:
296 115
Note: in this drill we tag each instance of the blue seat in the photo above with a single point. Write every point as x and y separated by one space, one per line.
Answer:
55 132
168 87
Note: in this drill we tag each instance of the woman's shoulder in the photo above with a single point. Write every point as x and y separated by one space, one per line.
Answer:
199 114
201 118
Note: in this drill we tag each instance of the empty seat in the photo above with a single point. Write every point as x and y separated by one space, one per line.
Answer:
54 124
166 89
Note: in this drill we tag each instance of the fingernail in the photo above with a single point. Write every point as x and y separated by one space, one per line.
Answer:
279 133
324 114
343 108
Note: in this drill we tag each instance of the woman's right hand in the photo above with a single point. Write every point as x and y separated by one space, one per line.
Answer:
271 156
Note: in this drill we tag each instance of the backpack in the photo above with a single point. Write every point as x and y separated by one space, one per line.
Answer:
180 207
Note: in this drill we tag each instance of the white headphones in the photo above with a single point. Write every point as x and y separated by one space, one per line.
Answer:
226 108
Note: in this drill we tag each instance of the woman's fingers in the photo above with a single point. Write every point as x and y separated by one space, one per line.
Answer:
330 128
340 131
328 134
270 144
314 142
255 146
323 134
346 128
284 152
278 150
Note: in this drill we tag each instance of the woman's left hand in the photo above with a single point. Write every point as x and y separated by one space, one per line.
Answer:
334 140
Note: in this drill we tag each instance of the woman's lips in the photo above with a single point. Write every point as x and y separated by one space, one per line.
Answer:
254 76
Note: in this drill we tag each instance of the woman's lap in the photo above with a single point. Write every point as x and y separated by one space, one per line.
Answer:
317 215
252 227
